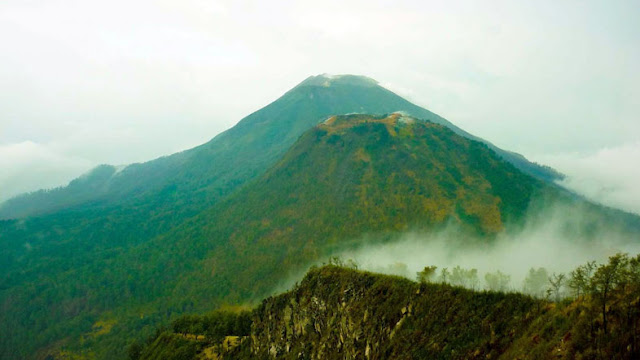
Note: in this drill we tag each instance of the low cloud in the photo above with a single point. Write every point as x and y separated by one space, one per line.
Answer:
29 166
608 176
559 239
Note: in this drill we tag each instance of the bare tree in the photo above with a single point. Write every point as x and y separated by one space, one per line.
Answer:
444 275
556 283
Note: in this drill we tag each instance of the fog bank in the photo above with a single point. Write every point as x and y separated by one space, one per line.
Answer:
559 239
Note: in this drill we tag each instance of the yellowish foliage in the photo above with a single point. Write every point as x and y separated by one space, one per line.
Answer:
216 352
235 308
70 355
230 342
102 327
211 353
333 126
362 155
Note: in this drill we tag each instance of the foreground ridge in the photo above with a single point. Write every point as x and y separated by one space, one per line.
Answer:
343 313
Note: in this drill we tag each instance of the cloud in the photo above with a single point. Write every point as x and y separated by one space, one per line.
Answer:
557 238
28 166
609 176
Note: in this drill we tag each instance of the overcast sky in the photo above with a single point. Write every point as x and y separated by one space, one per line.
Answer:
90 82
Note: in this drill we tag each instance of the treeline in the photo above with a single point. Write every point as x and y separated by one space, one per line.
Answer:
621 272
604 298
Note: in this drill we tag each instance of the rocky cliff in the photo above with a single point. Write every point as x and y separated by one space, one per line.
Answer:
337 313
342 313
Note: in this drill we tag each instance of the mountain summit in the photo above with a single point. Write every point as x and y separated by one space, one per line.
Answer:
327 80
211 171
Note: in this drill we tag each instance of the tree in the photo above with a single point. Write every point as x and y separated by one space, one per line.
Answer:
606 280
464 277
472 279
580 278
428 274
535 284
352 264
497 281
632 296
556 283
182 324
336 261
444 275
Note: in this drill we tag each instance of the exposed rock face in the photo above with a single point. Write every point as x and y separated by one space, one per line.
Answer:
340 314
341 327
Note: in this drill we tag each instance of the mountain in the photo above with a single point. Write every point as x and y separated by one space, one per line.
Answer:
343 313
348 176
209 172
351 180
227 222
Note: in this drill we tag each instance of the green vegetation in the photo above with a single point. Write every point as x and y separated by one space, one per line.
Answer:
62 270
192 239
337 313
600 321
191 335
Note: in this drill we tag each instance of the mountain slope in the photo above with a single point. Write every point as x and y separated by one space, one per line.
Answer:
109 211
348 177
208 172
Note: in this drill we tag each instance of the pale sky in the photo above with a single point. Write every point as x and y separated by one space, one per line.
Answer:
89 82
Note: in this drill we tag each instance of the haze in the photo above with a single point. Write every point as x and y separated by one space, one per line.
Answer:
556 237
88 82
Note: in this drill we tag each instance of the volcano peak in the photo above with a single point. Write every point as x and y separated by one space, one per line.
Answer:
328 80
